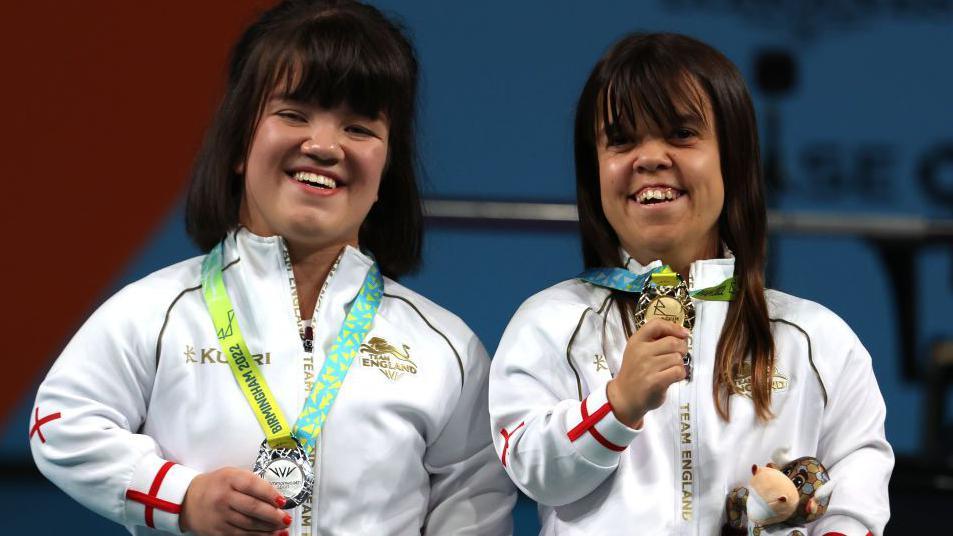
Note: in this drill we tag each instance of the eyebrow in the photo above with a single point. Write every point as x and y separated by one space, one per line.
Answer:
284 97
690 118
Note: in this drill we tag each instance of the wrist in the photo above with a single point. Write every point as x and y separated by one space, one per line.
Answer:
625 412
183 519
187 499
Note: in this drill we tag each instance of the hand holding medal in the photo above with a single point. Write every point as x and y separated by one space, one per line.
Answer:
230 500
653 360
665 296
658 354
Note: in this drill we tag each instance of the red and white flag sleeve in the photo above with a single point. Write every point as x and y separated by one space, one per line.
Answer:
556 447
87 411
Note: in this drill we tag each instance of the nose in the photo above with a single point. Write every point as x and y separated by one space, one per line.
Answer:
651 155
323 146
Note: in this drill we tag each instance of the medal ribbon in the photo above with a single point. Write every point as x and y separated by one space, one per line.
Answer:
626 281
358 322
245 370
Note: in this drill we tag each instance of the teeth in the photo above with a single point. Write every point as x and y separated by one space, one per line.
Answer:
659 194
314 178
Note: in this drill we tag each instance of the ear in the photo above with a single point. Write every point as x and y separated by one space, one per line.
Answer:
240 168
823 493
781 455
811 506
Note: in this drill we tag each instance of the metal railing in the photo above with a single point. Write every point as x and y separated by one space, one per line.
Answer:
874 226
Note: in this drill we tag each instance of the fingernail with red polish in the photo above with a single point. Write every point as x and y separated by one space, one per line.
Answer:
287 520
280 501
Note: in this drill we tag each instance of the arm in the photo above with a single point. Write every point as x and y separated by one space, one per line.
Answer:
853 447
99 390
555 447
90 405
469 493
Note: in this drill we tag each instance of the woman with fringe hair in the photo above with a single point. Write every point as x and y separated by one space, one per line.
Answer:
284 382
632 398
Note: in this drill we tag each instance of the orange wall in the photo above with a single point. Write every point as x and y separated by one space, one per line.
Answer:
104 105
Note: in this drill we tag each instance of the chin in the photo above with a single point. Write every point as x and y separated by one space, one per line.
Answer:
658 239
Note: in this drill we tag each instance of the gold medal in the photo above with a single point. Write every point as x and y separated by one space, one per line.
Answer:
666 308
668 302
672 303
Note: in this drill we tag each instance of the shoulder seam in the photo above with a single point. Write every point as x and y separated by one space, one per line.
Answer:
437 331
810 353
168 312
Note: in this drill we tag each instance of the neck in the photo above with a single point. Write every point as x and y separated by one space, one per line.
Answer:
311 266
680 260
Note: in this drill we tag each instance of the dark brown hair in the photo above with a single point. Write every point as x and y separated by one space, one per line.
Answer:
650 80
327 53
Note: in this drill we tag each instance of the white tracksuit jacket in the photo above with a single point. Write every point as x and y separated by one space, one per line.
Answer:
592 475
142 400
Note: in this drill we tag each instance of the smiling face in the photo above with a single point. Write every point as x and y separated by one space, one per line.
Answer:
661 186
312 173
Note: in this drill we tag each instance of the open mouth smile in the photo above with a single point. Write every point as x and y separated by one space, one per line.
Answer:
656 195
315 180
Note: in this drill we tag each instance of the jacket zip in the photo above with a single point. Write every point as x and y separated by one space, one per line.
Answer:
308 349
686 451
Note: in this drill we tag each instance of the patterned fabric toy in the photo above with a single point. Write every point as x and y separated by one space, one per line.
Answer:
780 498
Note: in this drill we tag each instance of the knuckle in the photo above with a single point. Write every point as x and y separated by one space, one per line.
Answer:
261 511
246 480
671 343
228 472
247 505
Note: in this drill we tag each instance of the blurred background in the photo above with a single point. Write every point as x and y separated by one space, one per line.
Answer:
105 103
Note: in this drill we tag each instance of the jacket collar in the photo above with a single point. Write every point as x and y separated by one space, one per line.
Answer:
263 259
702 273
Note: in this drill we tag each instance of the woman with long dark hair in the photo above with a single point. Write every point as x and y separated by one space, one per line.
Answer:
633 398
284 383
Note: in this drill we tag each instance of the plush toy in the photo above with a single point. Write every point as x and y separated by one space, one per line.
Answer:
780 498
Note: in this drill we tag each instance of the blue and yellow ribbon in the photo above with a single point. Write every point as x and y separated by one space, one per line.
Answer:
357 323
626 281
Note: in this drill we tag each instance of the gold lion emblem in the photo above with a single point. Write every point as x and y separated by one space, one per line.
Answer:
379 347
377 353
779 382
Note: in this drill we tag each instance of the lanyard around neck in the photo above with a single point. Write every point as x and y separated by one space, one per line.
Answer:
626 281
360 317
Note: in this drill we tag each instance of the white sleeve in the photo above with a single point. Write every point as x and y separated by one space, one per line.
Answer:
855 450
556 447
469 492
86 414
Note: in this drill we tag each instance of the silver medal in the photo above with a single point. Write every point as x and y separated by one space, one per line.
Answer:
288 470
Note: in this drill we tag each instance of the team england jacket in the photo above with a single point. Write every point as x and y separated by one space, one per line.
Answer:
559 440
142 400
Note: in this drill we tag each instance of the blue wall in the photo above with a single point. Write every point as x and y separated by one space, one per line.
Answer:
499 84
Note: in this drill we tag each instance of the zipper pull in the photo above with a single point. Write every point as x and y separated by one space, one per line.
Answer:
307 341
